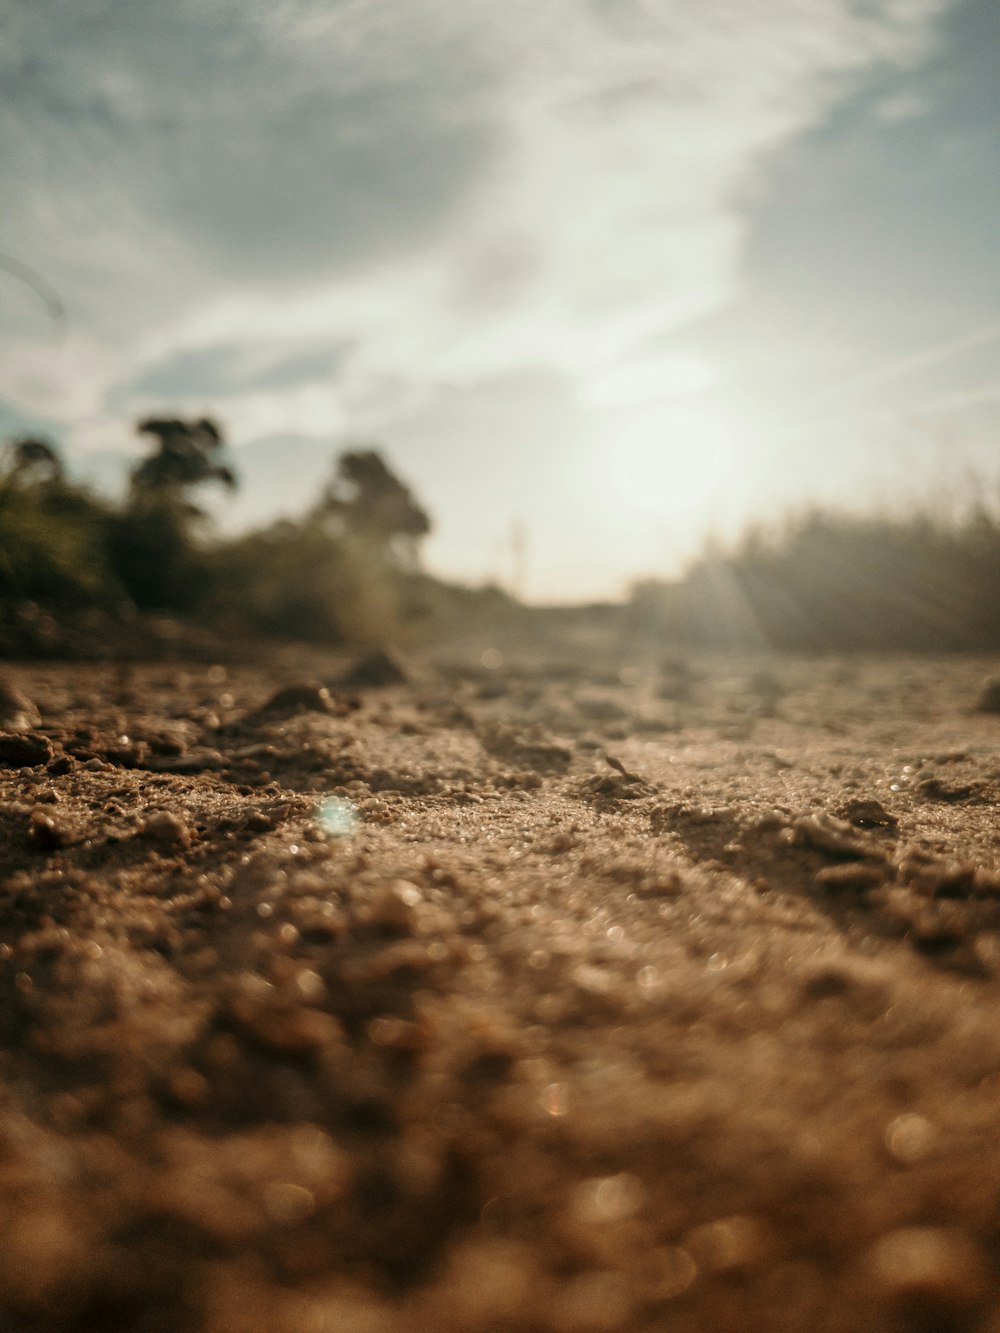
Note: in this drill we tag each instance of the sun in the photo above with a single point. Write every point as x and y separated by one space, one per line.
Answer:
672 462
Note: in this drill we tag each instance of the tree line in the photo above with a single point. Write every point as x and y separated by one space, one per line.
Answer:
345 570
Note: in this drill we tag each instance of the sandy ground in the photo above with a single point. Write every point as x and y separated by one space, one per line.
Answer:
540 995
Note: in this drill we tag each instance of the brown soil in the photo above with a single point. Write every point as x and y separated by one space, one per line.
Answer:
516 997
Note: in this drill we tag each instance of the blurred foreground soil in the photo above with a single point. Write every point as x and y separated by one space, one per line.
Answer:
524 995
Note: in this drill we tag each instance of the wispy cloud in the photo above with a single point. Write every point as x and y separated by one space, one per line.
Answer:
423 196
903 367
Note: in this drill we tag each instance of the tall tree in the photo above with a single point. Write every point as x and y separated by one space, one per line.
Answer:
187 453
154 542
368 503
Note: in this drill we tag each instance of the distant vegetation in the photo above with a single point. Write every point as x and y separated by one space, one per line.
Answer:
54 535
347 571
829 581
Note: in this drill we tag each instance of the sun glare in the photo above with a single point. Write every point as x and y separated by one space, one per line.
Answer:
672 462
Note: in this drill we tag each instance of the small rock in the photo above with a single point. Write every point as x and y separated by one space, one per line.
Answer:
910 1138
375 671
166 744
867 814
834 836
933 789
393 908
298 698
129 754
166 828
46 832
24 750
17 712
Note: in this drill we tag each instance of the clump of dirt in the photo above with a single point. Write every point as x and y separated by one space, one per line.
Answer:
426 1010
375 671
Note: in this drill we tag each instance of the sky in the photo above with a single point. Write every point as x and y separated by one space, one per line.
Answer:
602 277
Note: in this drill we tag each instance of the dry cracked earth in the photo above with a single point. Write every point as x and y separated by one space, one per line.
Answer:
519 996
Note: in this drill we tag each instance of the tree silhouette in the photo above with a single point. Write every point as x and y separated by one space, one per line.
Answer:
187 453
31 461
367 502
52 531
153 543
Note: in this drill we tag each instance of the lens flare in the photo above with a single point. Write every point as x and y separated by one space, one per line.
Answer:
337 817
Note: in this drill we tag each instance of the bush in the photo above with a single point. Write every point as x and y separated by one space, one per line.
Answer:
835 581
54 546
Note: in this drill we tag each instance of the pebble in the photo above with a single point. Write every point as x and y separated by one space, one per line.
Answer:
46 832
831 835
298 698
164 827
24 750
394 907
867 814
375 671
910 1138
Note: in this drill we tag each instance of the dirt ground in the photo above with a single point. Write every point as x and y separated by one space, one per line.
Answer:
555 994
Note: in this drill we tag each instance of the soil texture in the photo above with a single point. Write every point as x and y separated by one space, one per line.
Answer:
539 994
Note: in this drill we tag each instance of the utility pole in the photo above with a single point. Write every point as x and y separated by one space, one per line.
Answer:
519 557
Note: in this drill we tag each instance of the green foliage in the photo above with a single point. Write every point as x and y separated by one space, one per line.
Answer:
53 534
367 504
153 543
155 558
345 572
30 462
285 580
187 453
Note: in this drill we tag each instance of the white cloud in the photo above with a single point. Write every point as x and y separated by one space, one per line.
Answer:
441 192
64 380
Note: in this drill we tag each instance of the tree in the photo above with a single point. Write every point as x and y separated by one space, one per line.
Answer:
188 453
29 461
367 503
52 531
154 541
